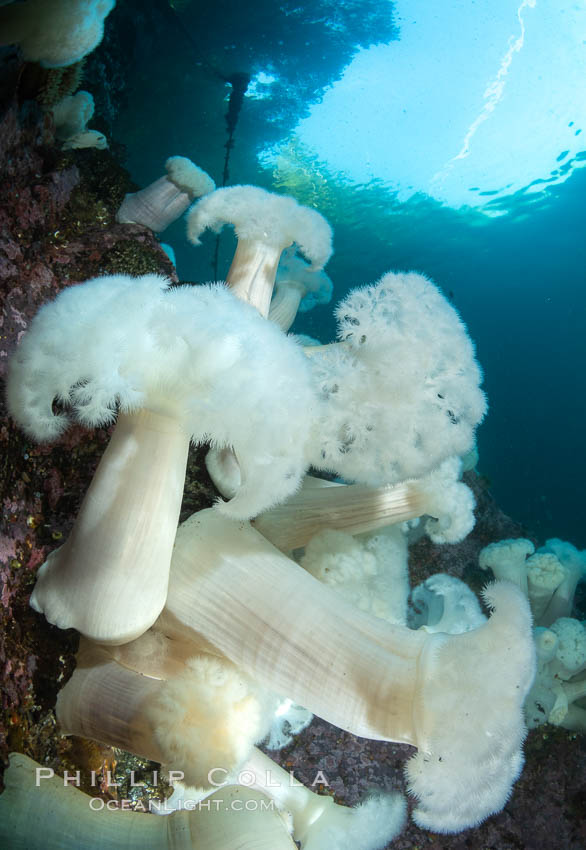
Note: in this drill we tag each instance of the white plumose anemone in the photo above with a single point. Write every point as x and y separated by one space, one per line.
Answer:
401 393
178 364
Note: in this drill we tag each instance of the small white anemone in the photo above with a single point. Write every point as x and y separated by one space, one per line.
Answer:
162 202
265 224
298 288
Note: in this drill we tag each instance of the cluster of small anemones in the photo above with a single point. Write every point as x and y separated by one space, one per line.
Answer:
204 624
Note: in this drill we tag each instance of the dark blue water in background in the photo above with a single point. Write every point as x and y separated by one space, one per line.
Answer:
518 280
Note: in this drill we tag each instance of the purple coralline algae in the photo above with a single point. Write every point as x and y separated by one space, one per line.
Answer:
57 228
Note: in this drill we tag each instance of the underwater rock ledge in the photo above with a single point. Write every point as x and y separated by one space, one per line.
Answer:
57 227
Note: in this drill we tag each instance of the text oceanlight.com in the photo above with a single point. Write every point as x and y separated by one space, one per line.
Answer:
96 804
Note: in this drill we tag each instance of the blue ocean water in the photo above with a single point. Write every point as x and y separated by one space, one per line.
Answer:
517 275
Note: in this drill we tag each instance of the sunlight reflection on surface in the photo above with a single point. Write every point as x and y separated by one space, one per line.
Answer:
503 115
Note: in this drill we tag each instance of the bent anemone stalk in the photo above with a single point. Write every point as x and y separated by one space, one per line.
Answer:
457 698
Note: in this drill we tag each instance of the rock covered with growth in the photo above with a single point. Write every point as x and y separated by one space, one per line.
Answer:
57 227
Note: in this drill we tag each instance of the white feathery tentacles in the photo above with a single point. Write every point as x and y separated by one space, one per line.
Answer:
265 224
168 366
400 393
